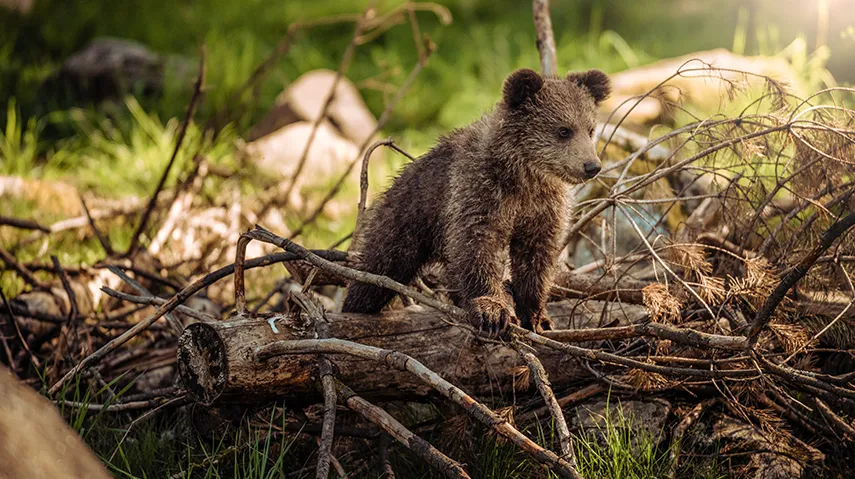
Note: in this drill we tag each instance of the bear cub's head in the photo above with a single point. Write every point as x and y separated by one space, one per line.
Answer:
554 119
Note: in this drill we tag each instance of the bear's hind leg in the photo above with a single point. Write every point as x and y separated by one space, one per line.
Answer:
397 255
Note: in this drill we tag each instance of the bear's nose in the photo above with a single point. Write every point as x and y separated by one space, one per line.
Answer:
592 168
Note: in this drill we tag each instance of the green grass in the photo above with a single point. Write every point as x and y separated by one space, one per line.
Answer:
165 444
621 448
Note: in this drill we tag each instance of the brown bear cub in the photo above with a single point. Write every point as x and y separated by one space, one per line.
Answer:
493 189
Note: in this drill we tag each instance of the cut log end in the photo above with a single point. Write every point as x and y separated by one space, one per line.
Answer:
217 362
202 363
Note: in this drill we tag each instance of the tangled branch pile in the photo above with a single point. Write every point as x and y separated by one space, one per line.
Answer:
710 267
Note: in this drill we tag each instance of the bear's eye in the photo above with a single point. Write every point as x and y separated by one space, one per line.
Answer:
591 132
564 132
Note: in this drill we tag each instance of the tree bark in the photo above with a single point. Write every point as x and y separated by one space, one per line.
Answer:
545 37
216 361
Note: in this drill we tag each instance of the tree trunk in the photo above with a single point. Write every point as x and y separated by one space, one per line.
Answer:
216 361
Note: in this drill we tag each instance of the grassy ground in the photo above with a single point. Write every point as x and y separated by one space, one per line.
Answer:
120 149
164 446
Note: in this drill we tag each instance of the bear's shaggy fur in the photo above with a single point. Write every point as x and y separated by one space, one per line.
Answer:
491 189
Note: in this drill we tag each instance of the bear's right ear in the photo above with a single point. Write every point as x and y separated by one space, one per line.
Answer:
595 81
520 86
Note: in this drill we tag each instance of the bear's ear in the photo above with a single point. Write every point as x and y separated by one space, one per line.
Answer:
595 81
520 86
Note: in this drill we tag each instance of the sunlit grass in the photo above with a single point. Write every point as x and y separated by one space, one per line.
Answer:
19 145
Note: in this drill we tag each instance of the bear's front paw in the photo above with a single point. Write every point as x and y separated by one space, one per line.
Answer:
539 322
490 315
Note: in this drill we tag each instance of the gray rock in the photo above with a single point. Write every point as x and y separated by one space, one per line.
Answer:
109 68
775 466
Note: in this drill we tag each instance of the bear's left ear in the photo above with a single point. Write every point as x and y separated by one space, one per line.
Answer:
520 86
595 81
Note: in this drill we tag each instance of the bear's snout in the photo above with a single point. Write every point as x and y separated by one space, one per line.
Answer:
592 168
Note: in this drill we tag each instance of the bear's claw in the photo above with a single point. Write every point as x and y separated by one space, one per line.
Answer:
491 315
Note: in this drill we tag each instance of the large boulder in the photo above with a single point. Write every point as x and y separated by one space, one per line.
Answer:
278 141
35 442
304 100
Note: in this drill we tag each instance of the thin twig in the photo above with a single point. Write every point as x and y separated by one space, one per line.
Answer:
385 463
328 431
761 320
680 431
801 377
325 369
363 184
176 325
23 224
103 240
33 359
151 276
22 270
155 301
545 37
449 467
844 427
538 373
685 336
121 407
182 132
564 401
74 310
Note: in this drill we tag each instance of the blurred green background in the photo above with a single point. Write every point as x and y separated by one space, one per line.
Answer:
485 41
120 147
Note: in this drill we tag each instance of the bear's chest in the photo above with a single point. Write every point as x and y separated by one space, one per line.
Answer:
533 207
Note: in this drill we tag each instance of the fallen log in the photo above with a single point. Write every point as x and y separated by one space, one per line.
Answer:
599 287
217 363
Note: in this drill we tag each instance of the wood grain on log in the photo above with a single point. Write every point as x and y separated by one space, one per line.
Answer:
216 361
